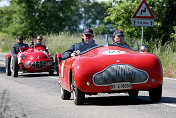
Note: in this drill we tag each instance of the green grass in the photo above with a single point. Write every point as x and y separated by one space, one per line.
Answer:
59 43
167 56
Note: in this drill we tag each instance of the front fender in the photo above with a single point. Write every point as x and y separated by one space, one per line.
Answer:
8 56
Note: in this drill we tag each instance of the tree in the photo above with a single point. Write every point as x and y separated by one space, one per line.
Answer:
54 16
120 16
23 20
33 17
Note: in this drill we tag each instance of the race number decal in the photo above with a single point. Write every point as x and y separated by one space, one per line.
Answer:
113 52
62 69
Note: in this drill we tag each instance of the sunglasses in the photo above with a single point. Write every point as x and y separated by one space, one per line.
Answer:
88 35
120 36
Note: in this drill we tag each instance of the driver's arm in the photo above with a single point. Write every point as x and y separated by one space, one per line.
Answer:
15 50
68 52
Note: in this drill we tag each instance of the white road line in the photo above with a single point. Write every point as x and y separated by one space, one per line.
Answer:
169 78
55 77
172 105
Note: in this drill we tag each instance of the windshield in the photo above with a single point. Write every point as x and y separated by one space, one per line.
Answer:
106 40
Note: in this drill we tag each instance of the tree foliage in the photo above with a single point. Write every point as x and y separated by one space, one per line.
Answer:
32 17
120 17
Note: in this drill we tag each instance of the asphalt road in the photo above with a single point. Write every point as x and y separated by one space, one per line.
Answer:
38 96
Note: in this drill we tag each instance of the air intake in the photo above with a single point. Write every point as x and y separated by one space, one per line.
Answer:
118 73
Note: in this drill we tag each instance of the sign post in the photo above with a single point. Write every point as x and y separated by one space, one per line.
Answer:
144 17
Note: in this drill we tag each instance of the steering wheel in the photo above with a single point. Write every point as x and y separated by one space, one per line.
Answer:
121 43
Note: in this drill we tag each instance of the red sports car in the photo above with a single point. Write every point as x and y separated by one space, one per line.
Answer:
30 59
110 68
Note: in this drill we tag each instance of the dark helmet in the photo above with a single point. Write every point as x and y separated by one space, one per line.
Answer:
118 33
88 31
20 37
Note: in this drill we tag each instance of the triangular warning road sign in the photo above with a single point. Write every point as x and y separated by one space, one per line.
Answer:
143 11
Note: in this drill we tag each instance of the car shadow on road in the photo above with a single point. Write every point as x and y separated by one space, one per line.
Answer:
36 75
171 100
117 100
125 100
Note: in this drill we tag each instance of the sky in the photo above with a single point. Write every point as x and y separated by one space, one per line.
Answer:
6 2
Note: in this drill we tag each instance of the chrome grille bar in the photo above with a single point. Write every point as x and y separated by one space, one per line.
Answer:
38 64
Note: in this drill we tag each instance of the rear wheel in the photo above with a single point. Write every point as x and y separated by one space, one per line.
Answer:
78 95
7 65
14 66
65 95
155 94
133 93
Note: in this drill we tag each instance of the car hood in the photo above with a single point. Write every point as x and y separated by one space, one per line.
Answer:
100 58
36 55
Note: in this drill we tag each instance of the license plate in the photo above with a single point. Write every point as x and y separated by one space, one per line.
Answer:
120 86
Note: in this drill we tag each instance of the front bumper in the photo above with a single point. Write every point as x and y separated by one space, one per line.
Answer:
37 66
101 82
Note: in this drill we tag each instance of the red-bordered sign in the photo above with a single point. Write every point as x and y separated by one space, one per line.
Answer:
143 11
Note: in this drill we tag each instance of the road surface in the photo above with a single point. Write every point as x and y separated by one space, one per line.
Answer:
38 96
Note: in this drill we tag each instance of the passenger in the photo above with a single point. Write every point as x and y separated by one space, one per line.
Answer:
16 48
87 43
38 41
118 38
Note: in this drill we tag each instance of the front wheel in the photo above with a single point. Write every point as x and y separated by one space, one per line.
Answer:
51 72
14 66
7 65
65 95
78 95
155 94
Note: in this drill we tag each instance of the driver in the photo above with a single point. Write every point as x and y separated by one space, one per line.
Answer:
16 48
118 38
87 43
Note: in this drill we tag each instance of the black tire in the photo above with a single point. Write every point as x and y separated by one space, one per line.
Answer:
7 65
65 95
155 94
51 72
133 94
14 66
78 95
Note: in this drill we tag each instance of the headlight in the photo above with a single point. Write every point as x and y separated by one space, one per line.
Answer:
23 57
27 64
50 63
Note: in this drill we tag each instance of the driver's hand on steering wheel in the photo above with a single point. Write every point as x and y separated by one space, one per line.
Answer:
73 54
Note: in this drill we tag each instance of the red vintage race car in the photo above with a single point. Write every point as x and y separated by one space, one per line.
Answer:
110 68
30 59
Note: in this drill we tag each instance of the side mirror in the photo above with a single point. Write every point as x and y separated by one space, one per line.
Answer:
143 48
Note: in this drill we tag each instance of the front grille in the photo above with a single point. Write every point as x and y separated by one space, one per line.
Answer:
118 73
38 64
